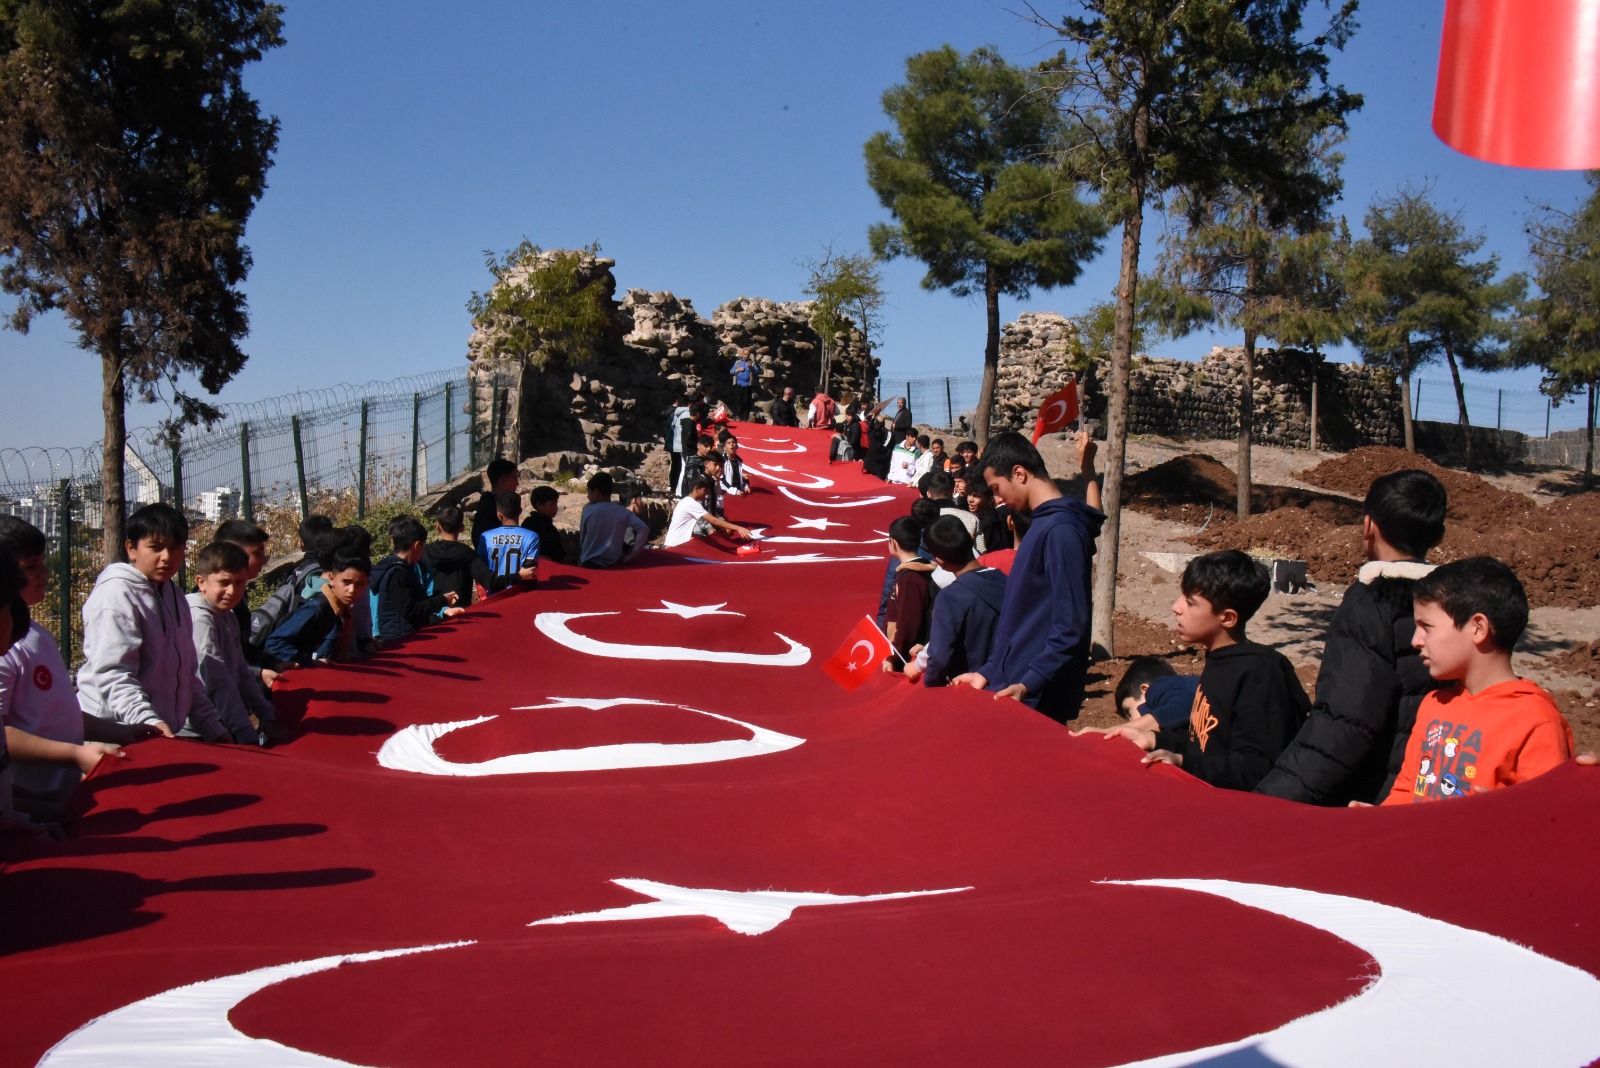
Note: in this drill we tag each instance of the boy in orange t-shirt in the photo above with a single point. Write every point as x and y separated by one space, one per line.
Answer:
1491 729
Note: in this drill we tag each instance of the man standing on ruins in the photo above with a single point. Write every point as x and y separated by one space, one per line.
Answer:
743 375
783 409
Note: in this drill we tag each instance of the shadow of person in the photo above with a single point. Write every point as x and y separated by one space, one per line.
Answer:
60 905
125 820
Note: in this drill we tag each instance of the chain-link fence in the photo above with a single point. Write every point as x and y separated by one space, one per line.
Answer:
338 452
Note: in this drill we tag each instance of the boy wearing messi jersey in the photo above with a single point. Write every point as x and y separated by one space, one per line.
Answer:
1491 729
510 550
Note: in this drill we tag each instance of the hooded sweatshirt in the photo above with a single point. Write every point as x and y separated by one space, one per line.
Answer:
139 659
235 691
456 567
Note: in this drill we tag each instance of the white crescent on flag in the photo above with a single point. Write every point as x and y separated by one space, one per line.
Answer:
556 626
857 502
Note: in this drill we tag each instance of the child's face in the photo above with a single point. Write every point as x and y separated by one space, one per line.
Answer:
958 486
36 576
969 454
345 586
549 508
506 483
154 558
1011 490
1446 649
256 555
938 449
222 589
1133 704
1196 620
976 501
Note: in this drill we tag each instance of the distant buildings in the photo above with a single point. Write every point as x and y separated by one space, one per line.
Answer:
219 504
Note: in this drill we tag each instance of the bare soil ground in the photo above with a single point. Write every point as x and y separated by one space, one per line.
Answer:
1180 498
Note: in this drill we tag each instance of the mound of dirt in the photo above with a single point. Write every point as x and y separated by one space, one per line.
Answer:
1195 488
1579 660
1331 550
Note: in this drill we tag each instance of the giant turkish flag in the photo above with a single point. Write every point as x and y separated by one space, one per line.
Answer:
625 818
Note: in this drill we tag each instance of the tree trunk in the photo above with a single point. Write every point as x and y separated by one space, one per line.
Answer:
1105 576
1315 378
1461 406
1588 453
991 359
1247 404
1405 403
113 446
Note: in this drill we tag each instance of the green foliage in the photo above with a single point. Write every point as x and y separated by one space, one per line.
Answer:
543 306
1560 326
972 193
1096 329
130 158
845 289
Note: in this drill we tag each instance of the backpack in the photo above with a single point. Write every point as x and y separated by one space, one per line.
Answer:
688 435
280 605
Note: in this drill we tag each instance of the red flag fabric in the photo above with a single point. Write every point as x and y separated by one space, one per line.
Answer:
1058 410
1519 82
858 659
623 818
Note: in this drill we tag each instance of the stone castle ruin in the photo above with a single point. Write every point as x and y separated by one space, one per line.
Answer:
610 408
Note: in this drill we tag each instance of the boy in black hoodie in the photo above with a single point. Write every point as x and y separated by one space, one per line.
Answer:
456 566
402 604
1250 703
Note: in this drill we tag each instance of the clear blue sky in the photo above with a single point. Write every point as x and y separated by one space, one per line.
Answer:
707 147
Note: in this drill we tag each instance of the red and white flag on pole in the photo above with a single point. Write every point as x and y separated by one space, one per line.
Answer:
1060 409
858 659
1519 82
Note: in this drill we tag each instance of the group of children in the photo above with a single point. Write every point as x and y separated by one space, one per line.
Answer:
1416 697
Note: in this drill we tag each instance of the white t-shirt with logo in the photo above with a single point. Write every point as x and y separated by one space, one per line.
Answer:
36 693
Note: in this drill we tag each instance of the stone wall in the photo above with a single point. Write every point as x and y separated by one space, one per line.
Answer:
1357 405
610 408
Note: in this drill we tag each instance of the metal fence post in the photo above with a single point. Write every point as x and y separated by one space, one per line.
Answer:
64 570
1499 410
361 466
949 405
416 429
497 423
472 425
1547 417
908 395
244 466
1417 412
300 466
449 402
177 476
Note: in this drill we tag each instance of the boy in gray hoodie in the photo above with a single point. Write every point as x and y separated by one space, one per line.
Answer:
222 570
138 638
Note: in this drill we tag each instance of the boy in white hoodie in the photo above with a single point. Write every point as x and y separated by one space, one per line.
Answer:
222 571
138 638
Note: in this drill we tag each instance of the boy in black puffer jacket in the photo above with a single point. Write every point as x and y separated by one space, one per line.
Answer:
1371 680
401 604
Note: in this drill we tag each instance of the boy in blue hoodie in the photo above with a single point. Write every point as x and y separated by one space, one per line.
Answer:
1041 646
402 605
139 661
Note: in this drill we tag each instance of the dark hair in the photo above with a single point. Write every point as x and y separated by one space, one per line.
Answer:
11 582
220 556
937 441
947 539
906 532
542 494
405 531
697 482
922 441
344 558
923 482
723 435
498 468
324 545
1142 671
358 538
21 537
158 521
938 484
312 527
508 503
1478 585
1018 521
925 511
1408 507
450 519
602 482
714 458
1008 451
1229 578
241 532
973 445
705 441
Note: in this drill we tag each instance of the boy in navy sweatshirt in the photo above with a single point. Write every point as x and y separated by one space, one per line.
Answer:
966 612
1041 646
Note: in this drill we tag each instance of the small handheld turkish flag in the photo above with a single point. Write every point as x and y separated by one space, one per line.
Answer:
1058 410
858 658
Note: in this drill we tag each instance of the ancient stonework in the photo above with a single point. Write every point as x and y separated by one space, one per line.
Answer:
609 409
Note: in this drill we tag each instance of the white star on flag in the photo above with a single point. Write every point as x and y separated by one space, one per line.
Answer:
685 611
813 524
